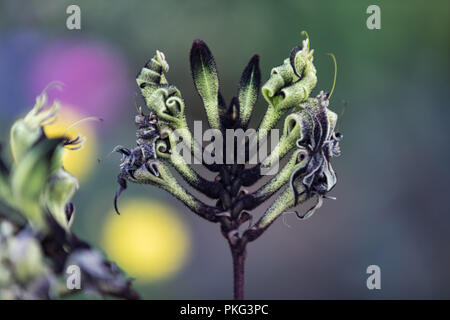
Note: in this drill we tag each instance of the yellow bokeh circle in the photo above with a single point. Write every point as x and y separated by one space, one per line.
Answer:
148 240
77 162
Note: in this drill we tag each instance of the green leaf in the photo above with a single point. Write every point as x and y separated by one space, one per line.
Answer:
11 214
249 89
206 80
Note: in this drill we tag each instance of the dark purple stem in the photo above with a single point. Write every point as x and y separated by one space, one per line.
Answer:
238 255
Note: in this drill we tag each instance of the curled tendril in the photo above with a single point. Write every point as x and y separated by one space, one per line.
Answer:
162 149
335 73
175 105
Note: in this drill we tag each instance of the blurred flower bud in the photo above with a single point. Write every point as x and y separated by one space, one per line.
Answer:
101 276
59 190
29 177
25 255
26 131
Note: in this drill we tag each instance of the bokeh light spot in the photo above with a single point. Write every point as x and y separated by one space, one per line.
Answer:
148 240
95 77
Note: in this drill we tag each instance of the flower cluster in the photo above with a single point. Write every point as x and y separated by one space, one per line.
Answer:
308 135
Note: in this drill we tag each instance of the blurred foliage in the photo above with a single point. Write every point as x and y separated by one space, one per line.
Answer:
36 212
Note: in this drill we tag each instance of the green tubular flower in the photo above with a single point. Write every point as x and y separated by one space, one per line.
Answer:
164 99
282 203
167 151
289 84
299 126
296 127
152 76
280 77
314 175
158 174
168 105
298 160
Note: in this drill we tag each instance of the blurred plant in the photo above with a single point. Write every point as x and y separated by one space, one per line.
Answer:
36 212
308 133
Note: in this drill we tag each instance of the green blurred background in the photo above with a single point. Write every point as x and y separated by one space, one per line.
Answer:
392 208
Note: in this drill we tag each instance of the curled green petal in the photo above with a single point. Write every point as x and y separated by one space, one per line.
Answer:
152 75
280 77
289 85
168 105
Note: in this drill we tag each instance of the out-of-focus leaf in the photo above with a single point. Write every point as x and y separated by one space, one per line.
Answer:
101 276
25 254
11 214
29 177
59 190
